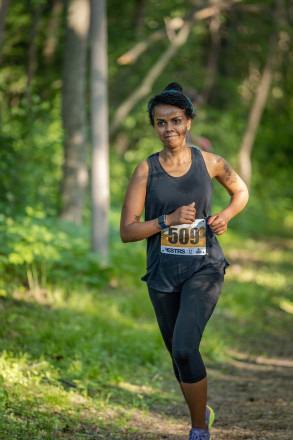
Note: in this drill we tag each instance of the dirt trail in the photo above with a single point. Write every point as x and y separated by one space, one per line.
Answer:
252 398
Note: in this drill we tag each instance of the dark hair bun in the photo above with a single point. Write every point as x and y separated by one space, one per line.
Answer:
175 97
174 86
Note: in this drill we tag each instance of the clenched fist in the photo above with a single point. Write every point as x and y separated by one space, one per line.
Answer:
182 215
218 223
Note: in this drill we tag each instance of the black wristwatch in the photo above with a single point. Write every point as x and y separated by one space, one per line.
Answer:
162 220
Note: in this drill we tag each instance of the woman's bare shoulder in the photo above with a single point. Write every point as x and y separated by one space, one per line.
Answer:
212 162
142 167
141 172
212 158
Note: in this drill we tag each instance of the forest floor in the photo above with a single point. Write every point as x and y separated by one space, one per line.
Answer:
252 399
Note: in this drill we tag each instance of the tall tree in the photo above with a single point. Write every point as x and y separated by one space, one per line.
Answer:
52 33
4 5
213 57
32 63
260 100
99 127
75 173
139 17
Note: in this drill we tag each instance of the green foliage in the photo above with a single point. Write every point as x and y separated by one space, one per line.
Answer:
40 250
31 157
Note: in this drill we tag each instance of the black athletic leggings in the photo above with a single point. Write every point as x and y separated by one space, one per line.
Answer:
182 317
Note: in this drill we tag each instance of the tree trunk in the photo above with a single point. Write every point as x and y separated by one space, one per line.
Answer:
32 63
258 105
99 128
213 57
4 5
139 18
75 174
52 32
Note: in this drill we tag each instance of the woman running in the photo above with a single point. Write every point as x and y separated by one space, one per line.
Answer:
185 263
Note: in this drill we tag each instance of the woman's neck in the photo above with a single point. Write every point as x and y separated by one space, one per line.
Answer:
176 155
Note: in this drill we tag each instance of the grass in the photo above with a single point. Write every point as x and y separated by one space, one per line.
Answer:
78 361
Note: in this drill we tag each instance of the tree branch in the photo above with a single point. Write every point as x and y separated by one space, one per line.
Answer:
146 85
132 55
125 108
259 102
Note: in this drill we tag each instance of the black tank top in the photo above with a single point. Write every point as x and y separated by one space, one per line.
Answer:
164 195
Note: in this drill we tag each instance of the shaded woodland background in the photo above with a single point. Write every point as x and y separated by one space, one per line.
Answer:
223 49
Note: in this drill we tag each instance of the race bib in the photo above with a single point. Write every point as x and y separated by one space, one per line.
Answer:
185 239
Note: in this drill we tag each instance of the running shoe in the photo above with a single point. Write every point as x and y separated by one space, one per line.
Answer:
199 434
210 416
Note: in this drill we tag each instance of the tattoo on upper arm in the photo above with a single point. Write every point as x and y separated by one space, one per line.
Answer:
137 217
230 175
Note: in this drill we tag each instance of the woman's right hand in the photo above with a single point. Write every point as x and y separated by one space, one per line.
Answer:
182 215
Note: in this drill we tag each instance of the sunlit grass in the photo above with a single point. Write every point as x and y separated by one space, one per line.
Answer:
68 355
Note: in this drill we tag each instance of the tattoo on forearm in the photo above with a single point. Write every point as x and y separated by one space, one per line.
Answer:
137 217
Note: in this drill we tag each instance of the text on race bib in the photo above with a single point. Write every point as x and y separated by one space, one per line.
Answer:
185 239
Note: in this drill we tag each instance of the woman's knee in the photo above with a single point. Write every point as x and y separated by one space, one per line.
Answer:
185 350
183 355
190 365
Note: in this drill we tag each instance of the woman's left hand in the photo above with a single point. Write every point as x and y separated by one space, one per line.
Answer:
218 223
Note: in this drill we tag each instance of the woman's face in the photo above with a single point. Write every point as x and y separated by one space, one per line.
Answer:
171 125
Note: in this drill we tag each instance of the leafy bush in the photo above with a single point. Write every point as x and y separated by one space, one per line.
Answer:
38 250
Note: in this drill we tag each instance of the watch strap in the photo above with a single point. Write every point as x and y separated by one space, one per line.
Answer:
162 220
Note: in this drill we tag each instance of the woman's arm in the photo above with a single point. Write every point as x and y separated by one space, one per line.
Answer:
131 229
223 172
